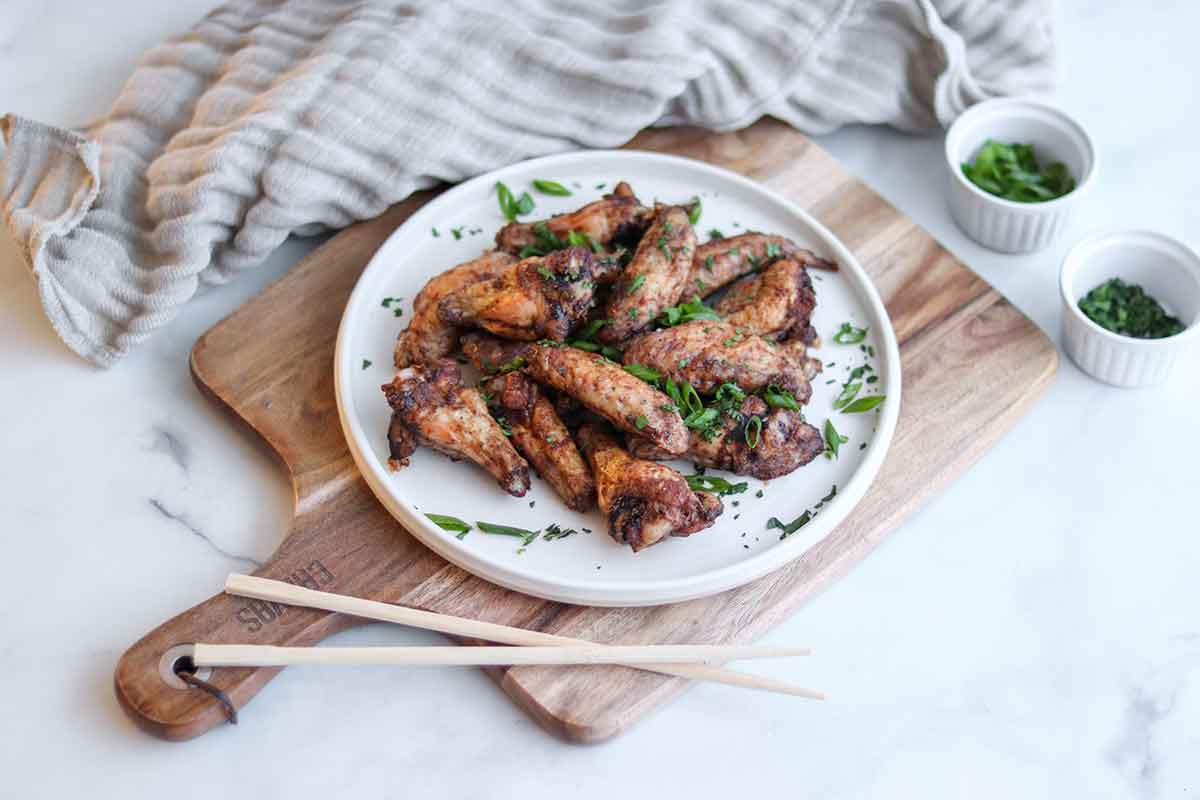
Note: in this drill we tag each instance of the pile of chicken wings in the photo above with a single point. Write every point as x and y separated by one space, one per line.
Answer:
592 373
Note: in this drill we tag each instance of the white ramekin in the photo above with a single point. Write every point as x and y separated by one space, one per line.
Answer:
1168 270
1005 225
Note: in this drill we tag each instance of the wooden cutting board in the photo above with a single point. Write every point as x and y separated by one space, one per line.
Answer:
972 364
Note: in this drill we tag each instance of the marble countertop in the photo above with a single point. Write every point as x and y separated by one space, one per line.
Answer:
1033 632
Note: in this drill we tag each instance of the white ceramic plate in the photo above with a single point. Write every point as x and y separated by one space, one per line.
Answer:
591 568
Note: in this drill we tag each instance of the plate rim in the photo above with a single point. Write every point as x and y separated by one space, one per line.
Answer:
604 592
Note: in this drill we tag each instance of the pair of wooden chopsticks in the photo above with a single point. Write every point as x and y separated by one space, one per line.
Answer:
686 661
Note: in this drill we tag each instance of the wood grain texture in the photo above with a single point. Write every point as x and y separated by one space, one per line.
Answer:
971 365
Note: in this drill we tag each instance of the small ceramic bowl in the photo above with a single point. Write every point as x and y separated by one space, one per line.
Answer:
1168 270
1005 225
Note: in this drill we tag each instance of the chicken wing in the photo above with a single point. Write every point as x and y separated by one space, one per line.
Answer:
721 261
707 354
644 502
617 218
541 437
543 297
777 303
779 443
490 353
431 405
427 338
655 278
604 387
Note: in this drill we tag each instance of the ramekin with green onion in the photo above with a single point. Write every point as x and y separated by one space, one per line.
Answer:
1017 169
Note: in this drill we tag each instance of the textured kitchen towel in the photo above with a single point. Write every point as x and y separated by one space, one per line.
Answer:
273 117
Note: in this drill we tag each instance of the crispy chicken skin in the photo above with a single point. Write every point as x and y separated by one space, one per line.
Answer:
430 404
785 443
655 278
643 501
488 353
539 434
542 297
778 302
707 354
630 403
427 338
617 218
721 261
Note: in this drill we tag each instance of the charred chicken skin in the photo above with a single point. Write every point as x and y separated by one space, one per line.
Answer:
627 402
615 219
542 297
431 406
655 278
719 262
644 502
427 338
539 434
777 303
708 354
780 442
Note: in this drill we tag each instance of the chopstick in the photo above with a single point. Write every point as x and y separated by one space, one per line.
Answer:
290 594
253 655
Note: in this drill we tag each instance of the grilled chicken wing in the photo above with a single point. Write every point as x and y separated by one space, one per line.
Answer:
432 407
631 404
655 278
721 261
541 437
707 354
778 302
490 353
617 218
644 502
542 297
782 444
427 338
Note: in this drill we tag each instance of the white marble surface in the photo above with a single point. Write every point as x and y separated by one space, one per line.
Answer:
1034 632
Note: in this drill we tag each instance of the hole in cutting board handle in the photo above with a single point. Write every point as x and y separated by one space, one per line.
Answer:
179 659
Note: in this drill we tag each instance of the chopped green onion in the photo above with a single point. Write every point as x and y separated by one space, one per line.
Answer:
778 397
754 424
848 393
833 440
864 404
695 210
635 284
643 372
711 483
848 334
641 422
453 524
506 530
552 187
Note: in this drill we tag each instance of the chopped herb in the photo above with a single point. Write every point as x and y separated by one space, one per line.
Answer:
793 526
457 232
695 210
864 404
581 239
643 372
641 422
387 301
505 428
683 362
1012 171
592 328
759 493
778 397
553 531
849 391
552 187
452 524
833 440
872 378
505 530
635 284
511 366
754 424
435 232
664 247
545 273
708 263
713 233
848 334
633 313
601 185
1126 309
773 250
397 312
687 312
711 483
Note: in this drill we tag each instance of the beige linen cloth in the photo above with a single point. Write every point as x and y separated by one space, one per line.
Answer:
274 117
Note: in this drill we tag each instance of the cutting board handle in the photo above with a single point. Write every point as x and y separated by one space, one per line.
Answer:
163 705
